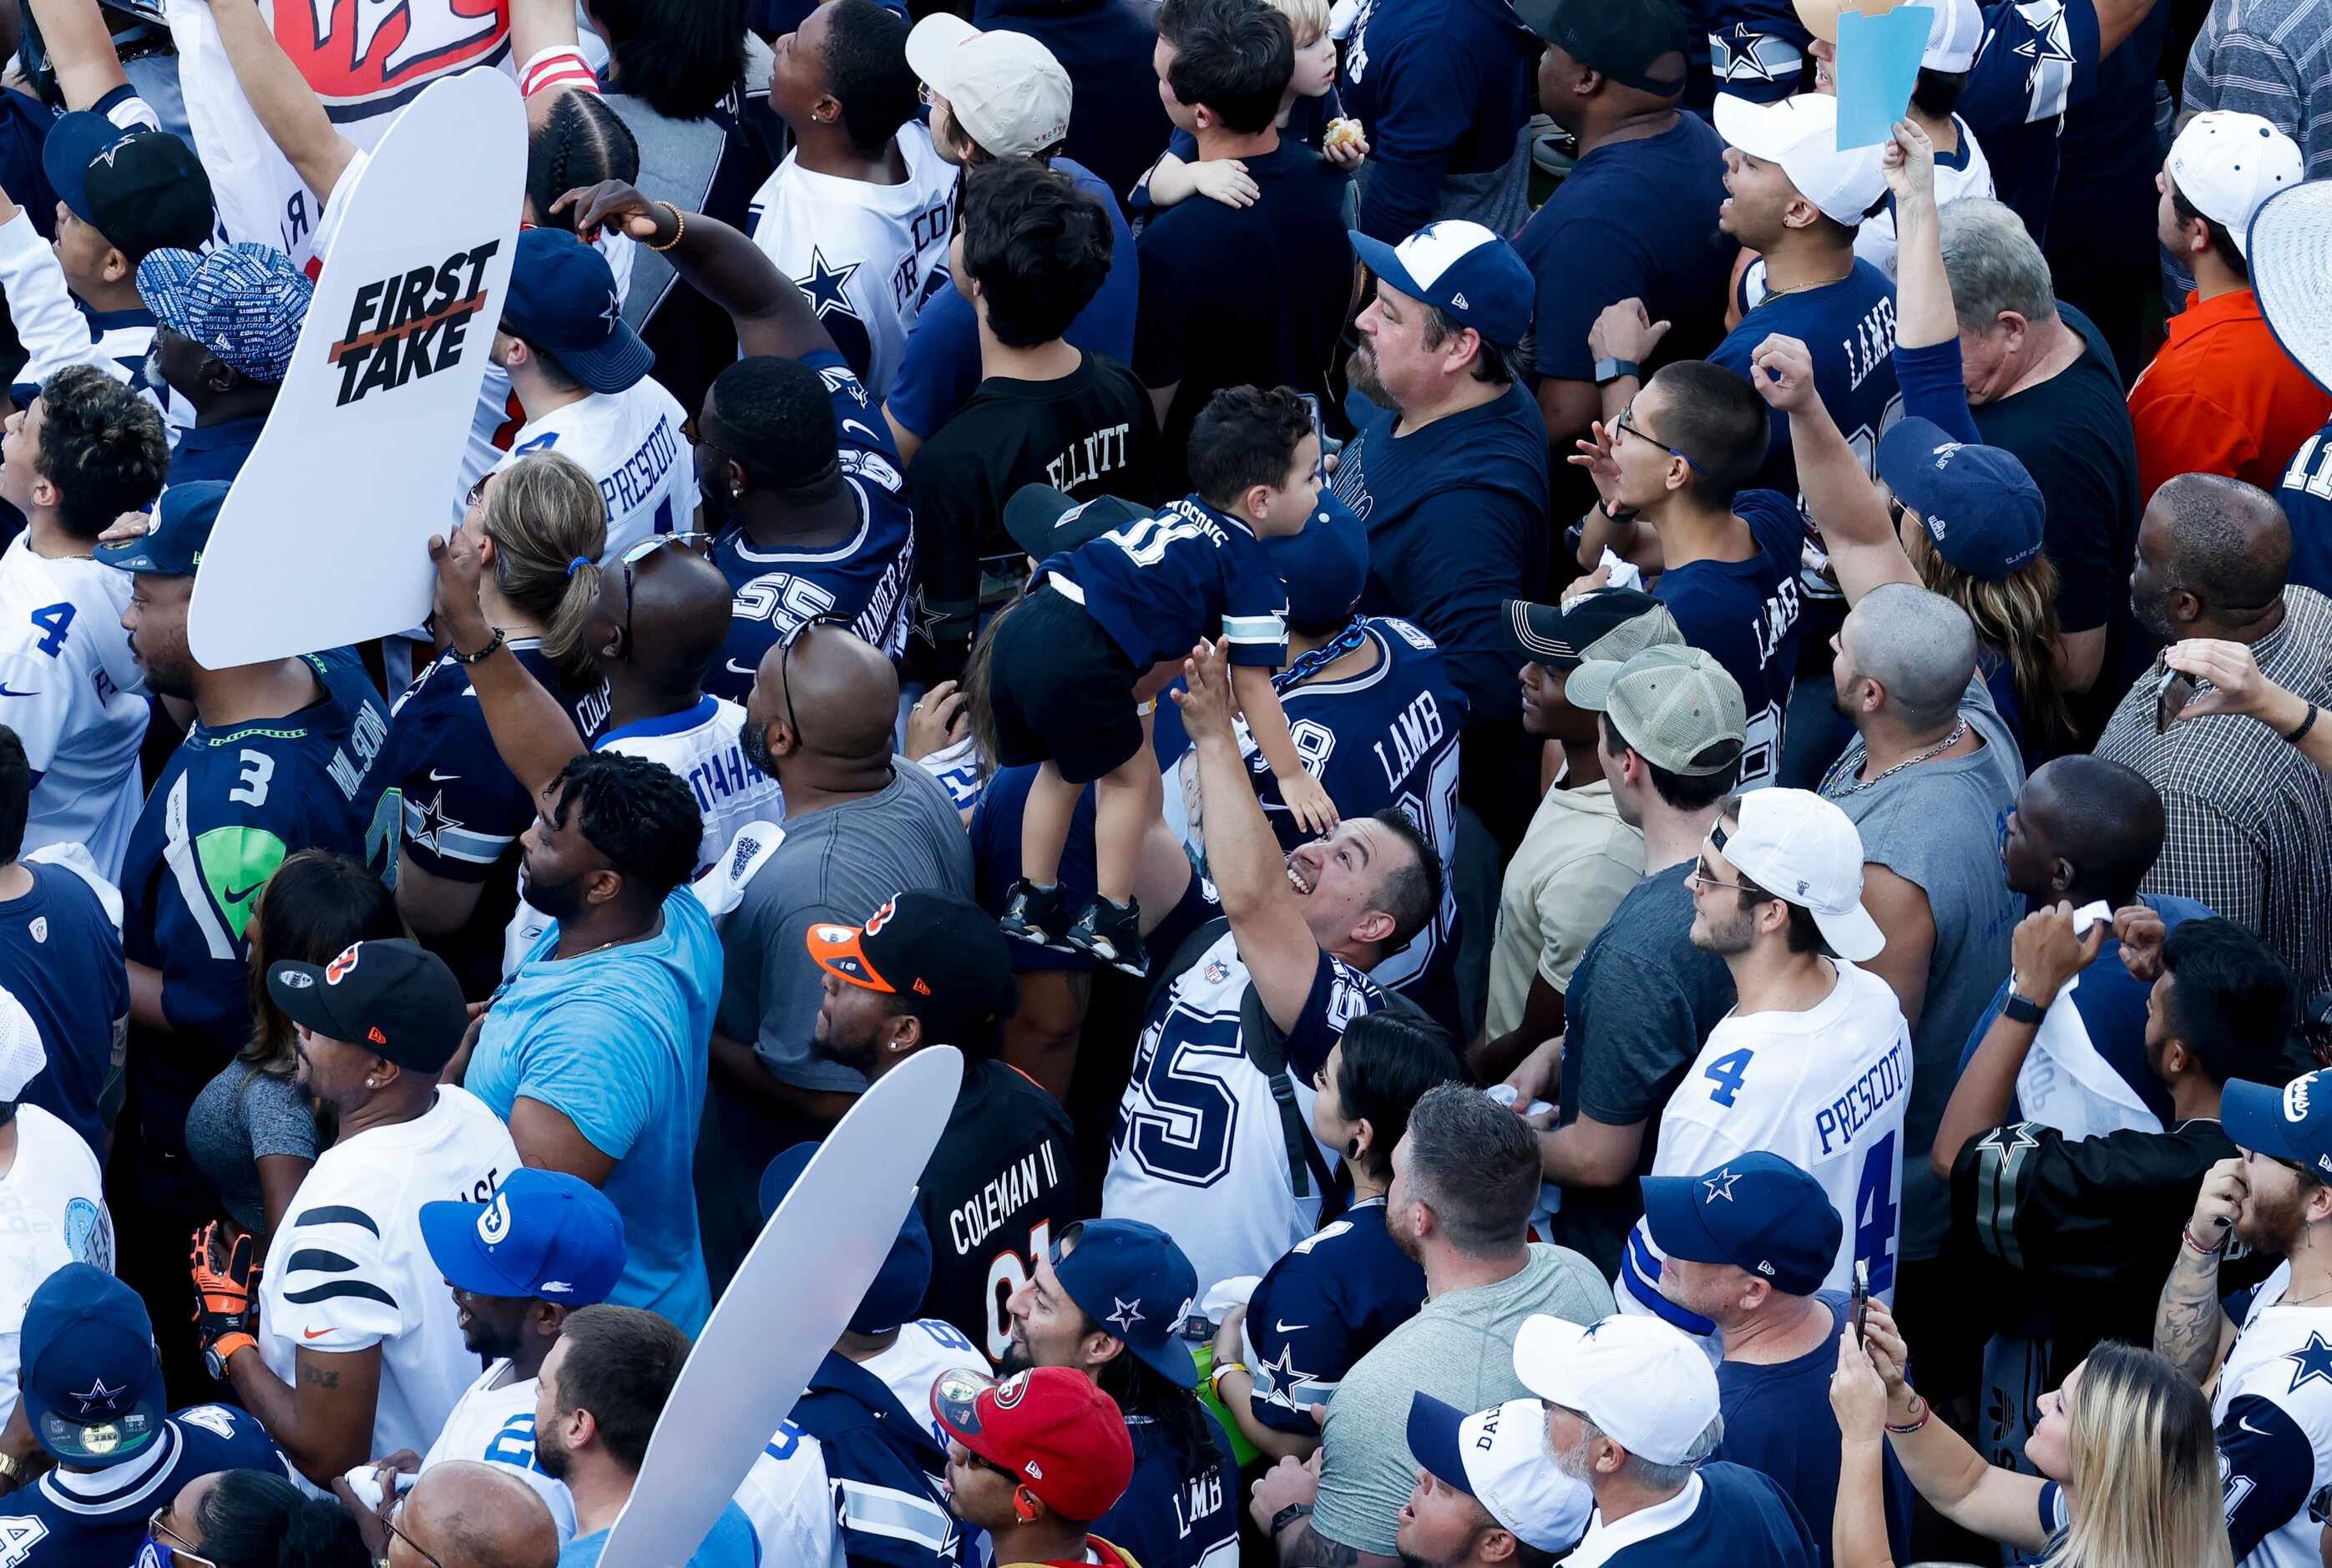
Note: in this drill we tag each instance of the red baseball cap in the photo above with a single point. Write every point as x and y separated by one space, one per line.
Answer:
1057 1434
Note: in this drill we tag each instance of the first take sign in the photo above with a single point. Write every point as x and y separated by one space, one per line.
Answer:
323 540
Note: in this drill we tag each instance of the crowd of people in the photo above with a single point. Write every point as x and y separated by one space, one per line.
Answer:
1621 812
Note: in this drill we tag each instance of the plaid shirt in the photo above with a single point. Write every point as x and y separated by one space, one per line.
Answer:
2249 817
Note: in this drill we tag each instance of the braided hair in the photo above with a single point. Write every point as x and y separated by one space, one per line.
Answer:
581 142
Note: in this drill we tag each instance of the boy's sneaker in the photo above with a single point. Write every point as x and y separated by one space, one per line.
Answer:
1112 933
1035 914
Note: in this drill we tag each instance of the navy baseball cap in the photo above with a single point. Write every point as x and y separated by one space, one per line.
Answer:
563 297
1981 509
544 1236
91 1384
1131 1280
1469 274
173 547
1609 624
1326 565
2293 1122
245 303
1043 521
142 190
899 1287
1758 1212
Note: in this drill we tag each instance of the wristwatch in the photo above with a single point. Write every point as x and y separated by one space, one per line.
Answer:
2020 1009
1289 1516
1607 370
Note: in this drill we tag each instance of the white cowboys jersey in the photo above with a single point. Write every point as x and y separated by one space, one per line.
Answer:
1199 1152
925 1350
630 444
866 256
791 1503
496 1425
1825 1089
52 1212
2273 1412
74 695
349 1270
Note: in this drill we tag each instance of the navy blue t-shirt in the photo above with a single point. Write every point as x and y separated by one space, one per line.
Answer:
940 369
1443 88
1636 220
61 958
1778 1422
2305 493
1321 1307
1849 327
1742 1520
1745 614
1457 520
1171 1517
1106 46
2036 60
213 451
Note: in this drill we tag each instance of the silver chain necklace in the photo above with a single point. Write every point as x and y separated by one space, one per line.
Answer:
1858 787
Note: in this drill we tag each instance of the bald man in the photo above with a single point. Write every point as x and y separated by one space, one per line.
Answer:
2248 815
861 825
466 1515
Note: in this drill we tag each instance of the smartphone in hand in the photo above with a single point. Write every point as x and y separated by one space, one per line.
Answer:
1858 1301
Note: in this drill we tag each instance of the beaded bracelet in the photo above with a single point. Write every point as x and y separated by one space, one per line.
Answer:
679 218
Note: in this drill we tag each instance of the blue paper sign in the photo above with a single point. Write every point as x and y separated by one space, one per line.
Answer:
1877 66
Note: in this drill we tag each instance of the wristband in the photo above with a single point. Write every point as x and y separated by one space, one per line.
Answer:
2296 736
1215 1379
224 1349
2188 1236
1611 367
1289 1516
2019 1009
1926 1412
1616 514
479 657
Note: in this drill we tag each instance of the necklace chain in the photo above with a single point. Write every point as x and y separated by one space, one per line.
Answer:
1859 786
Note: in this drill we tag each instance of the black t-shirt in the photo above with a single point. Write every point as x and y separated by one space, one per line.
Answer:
1091 433
1250 295
1001 1186
2072 433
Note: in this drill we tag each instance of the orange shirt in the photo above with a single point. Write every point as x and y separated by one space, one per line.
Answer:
2222 398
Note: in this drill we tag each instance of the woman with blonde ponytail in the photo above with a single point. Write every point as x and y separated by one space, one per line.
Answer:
539 526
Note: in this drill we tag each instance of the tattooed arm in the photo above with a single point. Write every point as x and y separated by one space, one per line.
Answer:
324 1424
1293 1482
2189 1326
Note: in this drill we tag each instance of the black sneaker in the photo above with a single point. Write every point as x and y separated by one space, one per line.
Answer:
1035 914
1112 933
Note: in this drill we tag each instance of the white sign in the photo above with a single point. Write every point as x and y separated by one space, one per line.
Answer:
323 539
788 1304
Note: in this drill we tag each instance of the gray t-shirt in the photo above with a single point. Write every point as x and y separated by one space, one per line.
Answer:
1939 824
240 1117
837 866
1459 1348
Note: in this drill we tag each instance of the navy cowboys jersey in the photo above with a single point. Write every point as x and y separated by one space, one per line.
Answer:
2038 57
865 578
1159 584
1756 48
1176 1514
1385 737
2273 1412
1320 1308
97 1518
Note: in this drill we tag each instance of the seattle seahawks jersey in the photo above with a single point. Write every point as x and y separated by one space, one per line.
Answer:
788 1500
865 578
631 445
1320 1308
866 256
52 1211
1386 737
226 808
76 698
85 1518
464 811
1826 1089
2273 1412
1198 1150
495 1426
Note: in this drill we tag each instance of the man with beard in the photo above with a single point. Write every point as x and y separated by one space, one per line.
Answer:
547 1244
928 969
2249 814
2270 1347
589 1049
1450 475
1657 1497
1814 1062
1109 1303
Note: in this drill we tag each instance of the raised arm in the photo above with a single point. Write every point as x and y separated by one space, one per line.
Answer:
531 732
724 266
1996 1503
2044 955
1855 528
287 107
2191 1329
81 50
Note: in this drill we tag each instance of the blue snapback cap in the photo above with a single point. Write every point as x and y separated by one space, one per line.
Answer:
2292 1122
563 297
1978 505
544 1236
1758 1213
1131 1280
174 546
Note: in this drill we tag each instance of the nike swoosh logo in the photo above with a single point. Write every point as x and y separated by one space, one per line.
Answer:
2245 1422
237 897
314 1333
737 669
1288 1327
437 777
5 692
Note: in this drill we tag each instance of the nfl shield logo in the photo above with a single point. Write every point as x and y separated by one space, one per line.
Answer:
40 928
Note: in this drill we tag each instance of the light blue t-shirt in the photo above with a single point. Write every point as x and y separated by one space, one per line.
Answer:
730 1543
616 1041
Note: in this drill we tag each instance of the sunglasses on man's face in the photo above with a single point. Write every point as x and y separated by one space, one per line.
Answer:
696 539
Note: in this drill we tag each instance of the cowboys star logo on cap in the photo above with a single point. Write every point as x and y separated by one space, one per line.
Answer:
97 1394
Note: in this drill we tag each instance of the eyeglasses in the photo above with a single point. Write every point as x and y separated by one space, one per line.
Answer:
1895 510
1627 426
923 94
1697 877
389 1519
785 659
477 495
696 539
159 1553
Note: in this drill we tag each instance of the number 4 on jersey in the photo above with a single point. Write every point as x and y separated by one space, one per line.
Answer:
53 619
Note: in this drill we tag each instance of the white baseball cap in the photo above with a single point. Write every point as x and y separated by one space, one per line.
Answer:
21 1055
1952 34
2227 163
1006 88
1499 1457
1648 1388
1798 847
1801 134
